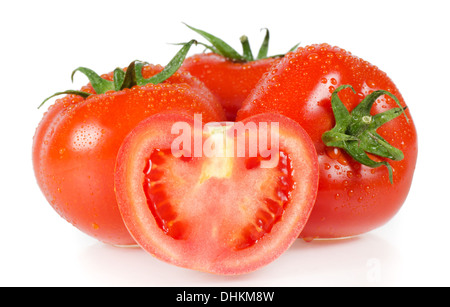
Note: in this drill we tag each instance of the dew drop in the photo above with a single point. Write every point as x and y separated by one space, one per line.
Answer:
313 56
370 83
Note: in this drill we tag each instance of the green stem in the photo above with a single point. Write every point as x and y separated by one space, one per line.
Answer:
355 131
132 76
247 52
222 48
264 49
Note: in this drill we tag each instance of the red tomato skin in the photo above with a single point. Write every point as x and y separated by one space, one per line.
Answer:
76 143
199 255
352 198
230 81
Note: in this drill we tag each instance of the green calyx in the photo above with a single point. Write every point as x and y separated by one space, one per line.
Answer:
129 78
355 132
219 47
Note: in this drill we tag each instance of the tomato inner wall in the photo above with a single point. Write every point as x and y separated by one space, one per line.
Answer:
239 209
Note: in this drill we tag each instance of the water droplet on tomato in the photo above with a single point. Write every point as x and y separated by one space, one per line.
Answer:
350 193
333 152
370 83
313 56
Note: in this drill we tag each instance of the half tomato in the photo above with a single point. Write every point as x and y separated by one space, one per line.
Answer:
225 198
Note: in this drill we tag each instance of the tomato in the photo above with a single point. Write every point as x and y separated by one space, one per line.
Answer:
229 75
225 211
230 81
77 140
355 194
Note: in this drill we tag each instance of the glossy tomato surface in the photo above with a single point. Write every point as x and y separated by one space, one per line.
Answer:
230 81
352 198
76 143
222 213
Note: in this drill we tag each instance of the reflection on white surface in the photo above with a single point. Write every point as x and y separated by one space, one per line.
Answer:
361 261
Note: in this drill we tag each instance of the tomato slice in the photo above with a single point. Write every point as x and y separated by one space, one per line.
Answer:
212 202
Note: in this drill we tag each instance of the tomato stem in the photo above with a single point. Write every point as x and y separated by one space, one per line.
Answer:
247 52
264 49
355 132
174 64
222 48
129 78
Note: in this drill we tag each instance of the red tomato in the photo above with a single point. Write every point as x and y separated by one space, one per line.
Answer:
230 81
76 143
229 75
221 213
353 198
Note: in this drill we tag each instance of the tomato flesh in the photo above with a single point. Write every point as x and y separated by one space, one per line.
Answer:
167 210
219 214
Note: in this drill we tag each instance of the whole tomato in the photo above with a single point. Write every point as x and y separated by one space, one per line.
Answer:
364 135
229 75
76 142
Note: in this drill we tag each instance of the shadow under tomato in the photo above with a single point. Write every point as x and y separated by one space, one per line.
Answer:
366 260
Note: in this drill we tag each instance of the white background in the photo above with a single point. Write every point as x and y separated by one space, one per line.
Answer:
43 41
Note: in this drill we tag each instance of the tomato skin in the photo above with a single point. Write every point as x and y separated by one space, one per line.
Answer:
230 81
76 143
212 216
352 198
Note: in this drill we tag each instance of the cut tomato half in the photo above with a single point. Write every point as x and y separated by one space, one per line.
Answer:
225 198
